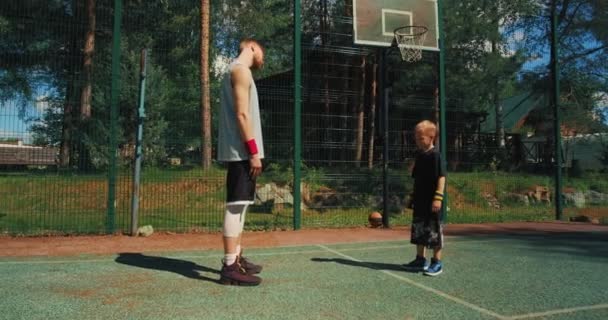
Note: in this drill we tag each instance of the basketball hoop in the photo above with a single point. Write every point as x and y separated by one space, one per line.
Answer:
409 41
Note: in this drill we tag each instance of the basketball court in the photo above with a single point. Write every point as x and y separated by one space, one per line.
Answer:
525 271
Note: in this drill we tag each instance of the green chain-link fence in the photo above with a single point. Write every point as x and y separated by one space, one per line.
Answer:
69 77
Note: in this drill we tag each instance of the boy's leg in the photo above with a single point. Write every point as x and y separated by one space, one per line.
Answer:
420 250
436 266
437 253
419 263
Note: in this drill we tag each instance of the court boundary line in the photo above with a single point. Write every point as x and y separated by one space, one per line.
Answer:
559 311
423 287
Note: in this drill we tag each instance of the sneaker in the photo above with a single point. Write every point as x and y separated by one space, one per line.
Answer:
418 264
434 269
250 267
236 275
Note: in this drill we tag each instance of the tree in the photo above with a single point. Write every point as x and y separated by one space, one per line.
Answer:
205 88
583 45
89 49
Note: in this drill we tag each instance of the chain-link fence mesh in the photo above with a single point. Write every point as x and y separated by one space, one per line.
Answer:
70 75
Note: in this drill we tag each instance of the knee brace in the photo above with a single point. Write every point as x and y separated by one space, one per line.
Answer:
234 220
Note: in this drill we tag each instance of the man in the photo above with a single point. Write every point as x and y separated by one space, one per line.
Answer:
240 145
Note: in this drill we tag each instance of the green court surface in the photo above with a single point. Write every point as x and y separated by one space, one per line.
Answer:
557 276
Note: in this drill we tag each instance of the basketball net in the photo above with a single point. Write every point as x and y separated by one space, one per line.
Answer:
410 40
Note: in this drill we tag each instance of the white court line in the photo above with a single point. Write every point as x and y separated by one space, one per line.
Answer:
559 311
423 287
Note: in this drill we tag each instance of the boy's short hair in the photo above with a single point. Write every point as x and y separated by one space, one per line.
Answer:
247 41
427 128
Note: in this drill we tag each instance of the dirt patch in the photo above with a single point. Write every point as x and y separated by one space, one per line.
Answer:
488 188
75 293
456 199
155 195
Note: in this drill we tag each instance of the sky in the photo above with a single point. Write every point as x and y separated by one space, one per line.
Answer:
13 118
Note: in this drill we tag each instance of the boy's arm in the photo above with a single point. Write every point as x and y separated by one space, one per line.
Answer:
441 185
409 199
438 198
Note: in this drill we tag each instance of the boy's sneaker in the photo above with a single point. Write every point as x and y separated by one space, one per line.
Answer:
418 264
235 275
434 269
250 267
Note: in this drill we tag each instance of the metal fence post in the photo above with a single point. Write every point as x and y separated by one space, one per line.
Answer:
297 73
115 93
141 116
556 112
442 105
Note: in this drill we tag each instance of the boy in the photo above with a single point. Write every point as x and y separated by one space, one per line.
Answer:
429 185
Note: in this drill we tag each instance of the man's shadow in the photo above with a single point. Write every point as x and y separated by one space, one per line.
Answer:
366 264
185 268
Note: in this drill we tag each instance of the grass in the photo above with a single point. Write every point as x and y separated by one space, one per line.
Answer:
182 200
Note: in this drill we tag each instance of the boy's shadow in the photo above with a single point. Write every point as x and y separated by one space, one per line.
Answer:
185 268
365 264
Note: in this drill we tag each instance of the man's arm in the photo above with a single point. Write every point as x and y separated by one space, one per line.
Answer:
241 81
240 90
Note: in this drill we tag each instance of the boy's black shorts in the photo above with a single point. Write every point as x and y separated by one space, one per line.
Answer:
427 230
240 186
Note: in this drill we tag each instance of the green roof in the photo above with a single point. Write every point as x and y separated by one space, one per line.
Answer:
514 109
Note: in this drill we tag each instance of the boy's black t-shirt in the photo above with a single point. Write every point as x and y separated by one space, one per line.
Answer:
427 170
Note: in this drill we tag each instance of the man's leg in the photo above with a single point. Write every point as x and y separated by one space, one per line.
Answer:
239 248
232 271
250 267
232 231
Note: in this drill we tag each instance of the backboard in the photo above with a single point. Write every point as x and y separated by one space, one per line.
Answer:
375 20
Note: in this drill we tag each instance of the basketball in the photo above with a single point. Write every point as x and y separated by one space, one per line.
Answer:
375 219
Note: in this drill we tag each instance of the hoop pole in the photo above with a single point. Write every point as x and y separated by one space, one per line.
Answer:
384 112
442 111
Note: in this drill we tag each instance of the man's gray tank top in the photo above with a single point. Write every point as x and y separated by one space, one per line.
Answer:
231 147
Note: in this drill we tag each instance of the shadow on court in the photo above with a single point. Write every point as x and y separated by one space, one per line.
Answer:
584 244
365 264
185 268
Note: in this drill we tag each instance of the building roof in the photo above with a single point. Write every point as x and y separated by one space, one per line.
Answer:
515 110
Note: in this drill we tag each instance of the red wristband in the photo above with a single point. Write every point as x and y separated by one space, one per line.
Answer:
251 147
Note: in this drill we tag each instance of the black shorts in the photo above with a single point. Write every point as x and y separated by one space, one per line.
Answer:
427 231
240 186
